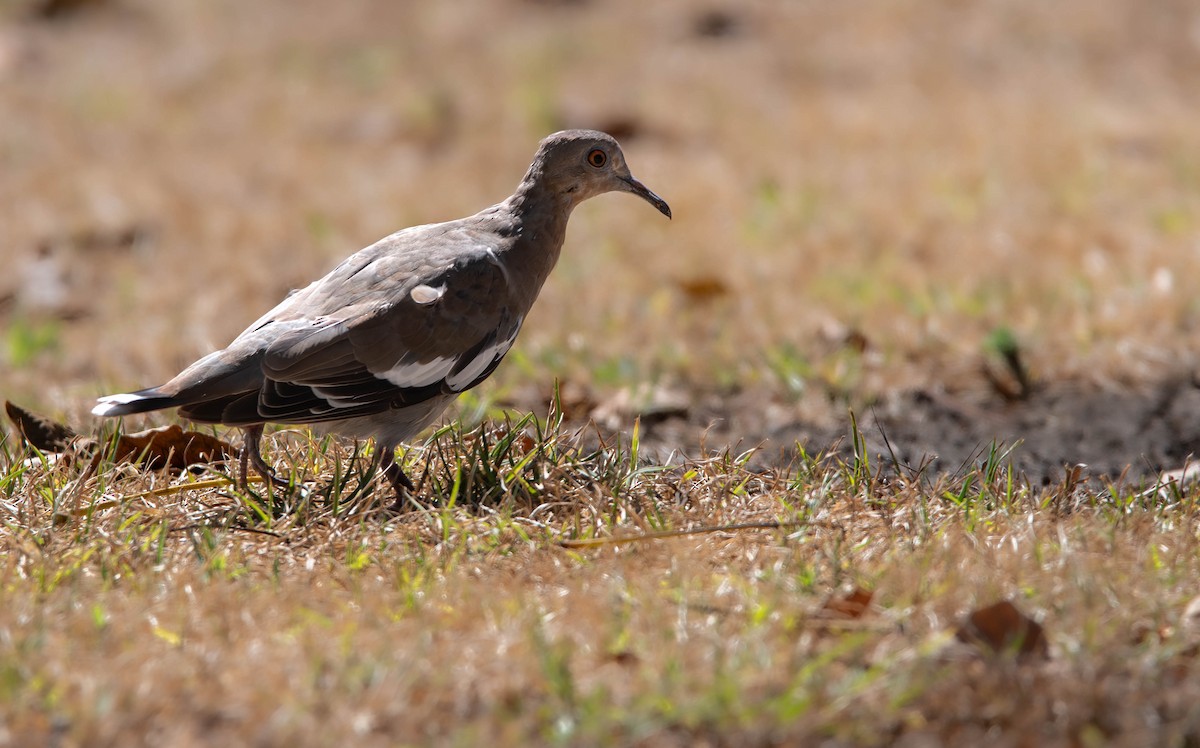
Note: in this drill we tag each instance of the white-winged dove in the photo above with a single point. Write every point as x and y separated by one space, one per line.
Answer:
382 344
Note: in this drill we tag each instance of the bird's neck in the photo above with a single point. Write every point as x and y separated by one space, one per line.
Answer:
540 220
534 203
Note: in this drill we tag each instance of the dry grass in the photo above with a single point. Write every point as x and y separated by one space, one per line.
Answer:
918 174
182 621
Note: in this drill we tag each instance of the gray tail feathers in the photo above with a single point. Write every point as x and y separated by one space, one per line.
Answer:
133 402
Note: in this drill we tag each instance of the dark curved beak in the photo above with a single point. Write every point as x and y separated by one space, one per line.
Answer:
642 191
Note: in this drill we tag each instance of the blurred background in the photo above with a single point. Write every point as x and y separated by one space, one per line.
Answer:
867 196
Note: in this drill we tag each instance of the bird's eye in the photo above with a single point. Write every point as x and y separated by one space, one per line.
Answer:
597 158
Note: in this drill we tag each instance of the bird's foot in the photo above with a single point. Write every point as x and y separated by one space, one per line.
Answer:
402 485
252 456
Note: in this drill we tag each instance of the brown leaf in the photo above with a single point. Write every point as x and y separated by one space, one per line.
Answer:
716 24
701 289
56 9
172 447
625 657
856 340
852 606
1002 627
44 434
623 127
169 446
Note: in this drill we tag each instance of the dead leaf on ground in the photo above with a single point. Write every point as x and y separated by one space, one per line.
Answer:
856 340
57 9
43 433
173 448
716 24
623 127
625 657
1002 627
702 289
851 606
165 447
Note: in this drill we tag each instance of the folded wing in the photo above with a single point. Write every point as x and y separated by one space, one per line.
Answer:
441 332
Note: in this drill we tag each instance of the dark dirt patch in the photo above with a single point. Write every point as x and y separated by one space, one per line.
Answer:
1138 431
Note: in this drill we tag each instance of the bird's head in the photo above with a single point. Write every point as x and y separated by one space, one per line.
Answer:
580 164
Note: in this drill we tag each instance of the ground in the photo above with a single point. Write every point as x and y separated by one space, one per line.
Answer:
1128 434
922 337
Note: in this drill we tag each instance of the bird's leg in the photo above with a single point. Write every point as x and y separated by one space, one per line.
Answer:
251 453
395 475
384 461
244 462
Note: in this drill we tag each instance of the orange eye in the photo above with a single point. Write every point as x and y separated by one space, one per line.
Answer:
597 158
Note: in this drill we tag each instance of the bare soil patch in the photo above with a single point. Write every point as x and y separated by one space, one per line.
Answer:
1135 434
1131 433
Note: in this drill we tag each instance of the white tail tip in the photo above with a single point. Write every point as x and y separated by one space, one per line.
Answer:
110 405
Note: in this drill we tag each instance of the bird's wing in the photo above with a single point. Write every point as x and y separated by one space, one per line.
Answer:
389 340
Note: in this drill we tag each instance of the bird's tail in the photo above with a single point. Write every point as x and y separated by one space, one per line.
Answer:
134 402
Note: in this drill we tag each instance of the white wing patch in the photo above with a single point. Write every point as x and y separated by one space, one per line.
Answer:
480 363
425 295
408 374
